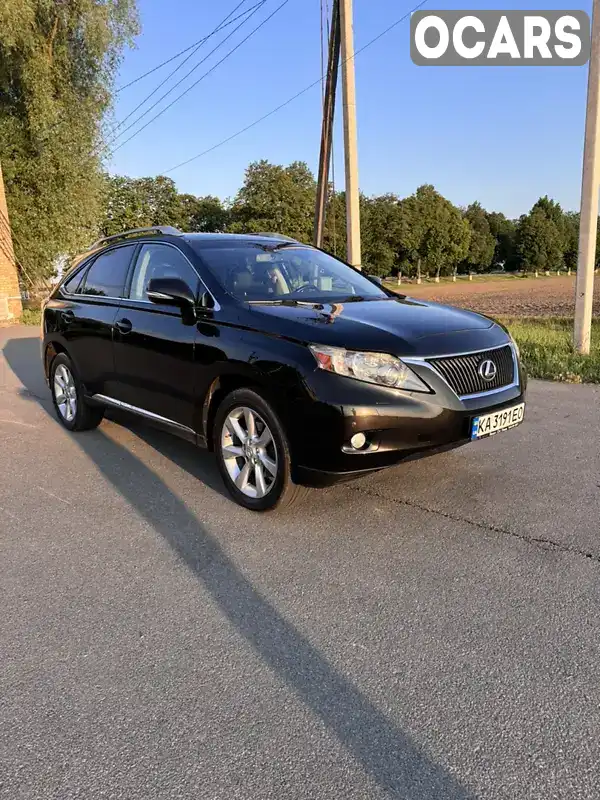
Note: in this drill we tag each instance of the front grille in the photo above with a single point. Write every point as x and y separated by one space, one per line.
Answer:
462 375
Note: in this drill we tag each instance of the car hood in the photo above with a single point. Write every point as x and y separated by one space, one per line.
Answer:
403 326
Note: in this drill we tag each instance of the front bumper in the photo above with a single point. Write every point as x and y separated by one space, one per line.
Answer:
398 425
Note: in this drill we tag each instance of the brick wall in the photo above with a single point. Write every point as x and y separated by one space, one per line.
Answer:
10 295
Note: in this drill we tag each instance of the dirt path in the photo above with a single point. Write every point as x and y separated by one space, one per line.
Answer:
529 297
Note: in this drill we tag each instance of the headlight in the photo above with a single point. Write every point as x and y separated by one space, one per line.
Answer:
380 368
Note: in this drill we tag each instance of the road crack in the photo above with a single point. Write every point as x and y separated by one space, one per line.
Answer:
540 541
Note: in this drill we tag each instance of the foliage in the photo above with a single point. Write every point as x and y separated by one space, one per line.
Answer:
547 350
553 213
410 235
139 203
571 231
31 316
423 233
482 243
57 63
202 214
275 198
504 232
381 226
539 243
435 231
334 234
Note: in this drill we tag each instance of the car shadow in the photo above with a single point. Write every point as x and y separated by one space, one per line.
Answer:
385 752
196 461
22 355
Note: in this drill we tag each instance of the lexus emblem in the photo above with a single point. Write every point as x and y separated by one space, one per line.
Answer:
487 370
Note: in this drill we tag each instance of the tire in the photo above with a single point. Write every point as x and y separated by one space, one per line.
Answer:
241 462
68 398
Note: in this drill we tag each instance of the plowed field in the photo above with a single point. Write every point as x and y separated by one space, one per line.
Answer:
513 297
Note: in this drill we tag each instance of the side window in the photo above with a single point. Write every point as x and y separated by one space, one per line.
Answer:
71 285
160 261
106 276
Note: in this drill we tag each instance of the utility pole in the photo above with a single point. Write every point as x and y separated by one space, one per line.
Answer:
327 128
590 183
350 137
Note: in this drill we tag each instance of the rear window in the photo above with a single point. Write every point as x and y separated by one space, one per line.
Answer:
106 277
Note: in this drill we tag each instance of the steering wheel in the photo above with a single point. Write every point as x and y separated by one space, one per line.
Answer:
302 289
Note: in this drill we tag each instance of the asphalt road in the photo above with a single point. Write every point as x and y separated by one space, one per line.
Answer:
429 632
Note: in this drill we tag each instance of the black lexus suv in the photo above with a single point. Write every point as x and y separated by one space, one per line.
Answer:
293 367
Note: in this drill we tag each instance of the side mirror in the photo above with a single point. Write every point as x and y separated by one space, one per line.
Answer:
375 279
170 291
206 301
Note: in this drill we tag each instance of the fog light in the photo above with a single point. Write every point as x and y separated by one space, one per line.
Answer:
358 440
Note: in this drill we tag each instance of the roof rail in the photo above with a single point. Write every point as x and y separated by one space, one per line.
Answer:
164 229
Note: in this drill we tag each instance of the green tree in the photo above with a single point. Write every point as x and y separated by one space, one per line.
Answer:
57 64
139 203
539 243
436 234
553 212
409 234
482 243
202 214
123 206
275 198
334 233
380 223
571 223
504 232
560 237
161 200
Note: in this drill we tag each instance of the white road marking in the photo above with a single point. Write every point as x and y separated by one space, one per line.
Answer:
17 422
56 497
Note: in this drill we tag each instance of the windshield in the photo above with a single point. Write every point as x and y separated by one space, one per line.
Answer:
256 272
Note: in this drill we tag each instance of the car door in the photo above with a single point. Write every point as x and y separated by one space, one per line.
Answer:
154 343
87 306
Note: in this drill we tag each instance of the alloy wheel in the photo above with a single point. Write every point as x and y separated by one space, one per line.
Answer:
65 393
249 452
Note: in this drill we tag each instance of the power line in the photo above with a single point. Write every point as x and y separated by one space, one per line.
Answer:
322 48
250 14
223 24
187 49
295 97
172 103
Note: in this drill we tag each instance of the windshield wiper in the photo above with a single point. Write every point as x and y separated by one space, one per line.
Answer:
359 298
270 248
278 302
287 244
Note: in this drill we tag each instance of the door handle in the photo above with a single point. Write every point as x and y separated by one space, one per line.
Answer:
124 325
67 316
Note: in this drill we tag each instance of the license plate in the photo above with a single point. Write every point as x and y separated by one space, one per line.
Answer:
489 424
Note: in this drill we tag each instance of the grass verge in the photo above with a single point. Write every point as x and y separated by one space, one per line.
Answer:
31 316
547 349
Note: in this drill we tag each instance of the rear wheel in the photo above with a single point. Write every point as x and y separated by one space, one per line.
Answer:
253 453
67 396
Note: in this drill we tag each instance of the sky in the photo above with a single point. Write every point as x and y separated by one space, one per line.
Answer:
501 135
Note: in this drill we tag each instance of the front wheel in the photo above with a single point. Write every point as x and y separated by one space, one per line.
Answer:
68 399
253 453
